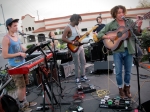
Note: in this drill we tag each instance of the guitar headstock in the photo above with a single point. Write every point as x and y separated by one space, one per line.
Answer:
95 27
146 16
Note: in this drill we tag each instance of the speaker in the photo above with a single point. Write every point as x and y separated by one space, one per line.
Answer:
97 52
67 69
146 106
103 65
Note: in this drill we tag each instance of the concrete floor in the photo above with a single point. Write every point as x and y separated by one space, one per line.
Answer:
100 81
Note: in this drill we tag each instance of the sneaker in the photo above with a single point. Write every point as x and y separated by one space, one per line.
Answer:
25 109
30 104
77 81
84 78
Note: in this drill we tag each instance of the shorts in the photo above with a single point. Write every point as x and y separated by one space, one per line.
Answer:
20 80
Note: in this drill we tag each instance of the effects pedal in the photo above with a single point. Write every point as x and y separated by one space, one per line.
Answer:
41 108
116 103
85 90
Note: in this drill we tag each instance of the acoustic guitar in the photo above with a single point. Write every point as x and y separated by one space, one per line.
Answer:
74 48
119 35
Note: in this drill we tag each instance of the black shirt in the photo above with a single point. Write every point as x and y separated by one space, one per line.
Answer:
99 28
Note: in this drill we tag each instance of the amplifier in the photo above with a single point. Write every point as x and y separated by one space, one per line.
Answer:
67 69
103 65
97 52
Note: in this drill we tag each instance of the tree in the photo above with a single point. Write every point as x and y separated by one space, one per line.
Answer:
143 3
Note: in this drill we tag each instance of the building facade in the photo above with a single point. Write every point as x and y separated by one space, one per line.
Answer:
38 30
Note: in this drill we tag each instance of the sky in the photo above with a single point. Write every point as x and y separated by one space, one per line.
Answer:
56 8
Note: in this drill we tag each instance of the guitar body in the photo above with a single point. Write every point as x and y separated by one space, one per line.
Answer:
72 47
117 38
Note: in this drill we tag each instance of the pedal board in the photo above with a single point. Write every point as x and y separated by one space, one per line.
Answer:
119 104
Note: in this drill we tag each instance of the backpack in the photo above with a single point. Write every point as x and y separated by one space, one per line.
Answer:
9 104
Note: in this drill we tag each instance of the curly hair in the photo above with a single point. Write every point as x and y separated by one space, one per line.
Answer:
114 10
75 17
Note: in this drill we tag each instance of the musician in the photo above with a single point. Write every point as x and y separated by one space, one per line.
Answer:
100 25
99 50
124 54
70 33
14 52
56 42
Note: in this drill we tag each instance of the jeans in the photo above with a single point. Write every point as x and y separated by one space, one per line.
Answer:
79 61
120 59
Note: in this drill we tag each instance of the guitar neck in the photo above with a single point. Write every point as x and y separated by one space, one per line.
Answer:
85 35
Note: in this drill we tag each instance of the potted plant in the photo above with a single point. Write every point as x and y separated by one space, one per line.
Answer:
145 39
145 44
87 54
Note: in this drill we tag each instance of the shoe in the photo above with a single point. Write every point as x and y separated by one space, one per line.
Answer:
84 78
25 109
77 81
30 104
121 93
127 91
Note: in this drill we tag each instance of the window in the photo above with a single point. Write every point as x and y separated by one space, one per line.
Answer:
31 38
29 28
32 28
56 33
26 29
41 37
84 29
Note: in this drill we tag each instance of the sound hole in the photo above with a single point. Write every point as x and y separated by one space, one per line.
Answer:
119 34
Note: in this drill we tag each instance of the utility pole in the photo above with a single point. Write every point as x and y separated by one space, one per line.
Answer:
3 17
38 14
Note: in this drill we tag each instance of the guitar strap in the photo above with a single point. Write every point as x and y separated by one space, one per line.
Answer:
77 30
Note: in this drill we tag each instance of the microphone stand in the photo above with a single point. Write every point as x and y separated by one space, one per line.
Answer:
55 63
137 66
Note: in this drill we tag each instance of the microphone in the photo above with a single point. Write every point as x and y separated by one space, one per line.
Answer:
21 33
123 18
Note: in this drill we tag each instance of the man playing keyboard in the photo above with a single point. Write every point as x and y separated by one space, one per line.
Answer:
14 52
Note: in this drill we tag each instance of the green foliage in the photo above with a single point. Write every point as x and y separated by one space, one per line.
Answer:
28 46
87 53
145 39
61 46
143 3
145 58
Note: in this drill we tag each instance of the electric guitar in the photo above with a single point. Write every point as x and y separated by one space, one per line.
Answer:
74 48
119 35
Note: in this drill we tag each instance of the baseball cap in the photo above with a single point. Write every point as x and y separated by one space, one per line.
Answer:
10 20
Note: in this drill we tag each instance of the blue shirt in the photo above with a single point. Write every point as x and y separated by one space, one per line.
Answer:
99 28
15 47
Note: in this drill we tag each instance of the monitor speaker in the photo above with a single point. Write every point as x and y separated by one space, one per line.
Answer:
67 69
